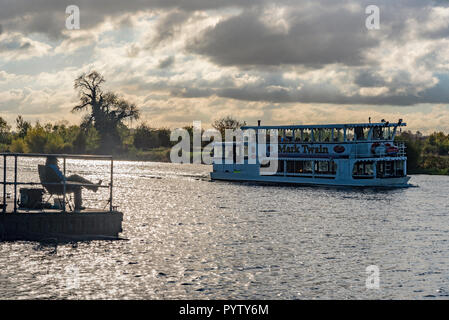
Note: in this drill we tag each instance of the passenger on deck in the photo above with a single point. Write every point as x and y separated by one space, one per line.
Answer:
52 164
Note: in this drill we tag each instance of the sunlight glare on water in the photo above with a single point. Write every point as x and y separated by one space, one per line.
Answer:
190 238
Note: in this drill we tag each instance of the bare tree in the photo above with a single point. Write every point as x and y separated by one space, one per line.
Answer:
106 109
227 123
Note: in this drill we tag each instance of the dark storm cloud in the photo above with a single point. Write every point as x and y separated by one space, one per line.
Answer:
286 92
312 39
48 16
324 33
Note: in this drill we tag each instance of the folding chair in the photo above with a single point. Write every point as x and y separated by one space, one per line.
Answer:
48 178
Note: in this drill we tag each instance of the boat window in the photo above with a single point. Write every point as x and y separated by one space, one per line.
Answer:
313 135
325 167
378 133
333 167
387 133
307 167
297 134
317 133
360 133
349 134
327 135
390 169
280 169
299 166
302 167
322 135
338 135
400 168
307 135
245 152
363 170
285 136
289 135
280 136
290 166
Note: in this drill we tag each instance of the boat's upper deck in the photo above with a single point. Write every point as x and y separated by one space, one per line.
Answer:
333 133
329 126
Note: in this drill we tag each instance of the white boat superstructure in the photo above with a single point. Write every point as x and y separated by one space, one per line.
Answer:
357 154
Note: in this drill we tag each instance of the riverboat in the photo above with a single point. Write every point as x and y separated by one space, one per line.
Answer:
354 154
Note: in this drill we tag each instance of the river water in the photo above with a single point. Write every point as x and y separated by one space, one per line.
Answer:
190 238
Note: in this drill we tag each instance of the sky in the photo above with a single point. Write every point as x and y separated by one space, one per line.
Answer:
281 61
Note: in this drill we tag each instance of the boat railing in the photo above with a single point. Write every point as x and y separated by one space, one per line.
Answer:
401 152
15 182
402 149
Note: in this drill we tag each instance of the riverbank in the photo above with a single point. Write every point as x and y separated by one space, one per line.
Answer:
161 154
433 165
430 164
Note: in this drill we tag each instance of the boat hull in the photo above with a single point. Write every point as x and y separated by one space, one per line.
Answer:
399 182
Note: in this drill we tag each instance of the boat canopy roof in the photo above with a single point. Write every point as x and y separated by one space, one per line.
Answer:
328 126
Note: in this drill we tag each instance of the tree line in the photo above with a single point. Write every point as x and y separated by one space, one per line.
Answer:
426 154
141 143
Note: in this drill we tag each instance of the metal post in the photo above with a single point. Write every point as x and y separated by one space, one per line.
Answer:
15 184
4 184
111 185
64 188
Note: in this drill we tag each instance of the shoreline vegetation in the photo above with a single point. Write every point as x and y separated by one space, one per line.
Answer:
103 131
426 154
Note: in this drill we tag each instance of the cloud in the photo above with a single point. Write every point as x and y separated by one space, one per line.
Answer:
168 26
75 41
48 16
14 46
167 62
280 61
306 37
